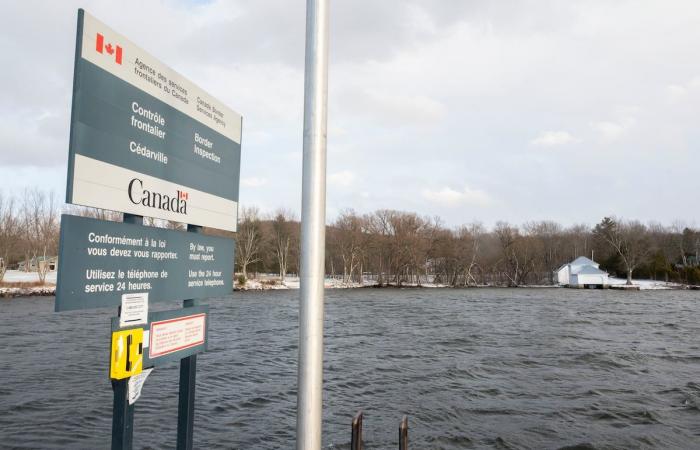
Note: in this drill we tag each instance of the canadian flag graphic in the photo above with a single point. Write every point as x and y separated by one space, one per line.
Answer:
112 50
184 195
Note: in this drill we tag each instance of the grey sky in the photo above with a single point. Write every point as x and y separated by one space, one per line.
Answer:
474 110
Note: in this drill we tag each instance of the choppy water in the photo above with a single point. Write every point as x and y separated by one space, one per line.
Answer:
480 368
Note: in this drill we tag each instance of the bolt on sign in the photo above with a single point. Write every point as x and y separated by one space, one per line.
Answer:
145 140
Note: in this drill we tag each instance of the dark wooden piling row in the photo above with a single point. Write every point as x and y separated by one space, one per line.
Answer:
356 442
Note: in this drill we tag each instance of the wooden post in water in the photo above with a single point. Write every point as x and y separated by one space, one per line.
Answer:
403 434
356 439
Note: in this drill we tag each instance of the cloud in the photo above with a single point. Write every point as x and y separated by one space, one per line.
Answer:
253 182
336 131
423 93
553 139
678 92
33 138
344 178
609 130
450 197
612 131
397 108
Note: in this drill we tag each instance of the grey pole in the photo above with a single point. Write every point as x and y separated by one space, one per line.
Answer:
313 229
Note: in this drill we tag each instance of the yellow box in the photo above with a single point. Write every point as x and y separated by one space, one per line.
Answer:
126 358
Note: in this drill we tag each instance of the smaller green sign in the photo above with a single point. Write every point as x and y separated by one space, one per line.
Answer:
172 335
101 262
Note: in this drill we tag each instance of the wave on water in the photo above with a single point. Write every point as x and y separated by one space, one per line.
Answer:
482 368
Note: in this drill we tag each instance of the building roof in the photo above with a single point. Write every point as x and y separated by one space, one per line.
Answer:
583 261
590 270
577 263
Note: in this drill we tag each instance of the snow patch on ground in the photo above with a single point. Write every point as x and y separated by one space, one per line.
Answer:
293 283
28 291
646 284
19 276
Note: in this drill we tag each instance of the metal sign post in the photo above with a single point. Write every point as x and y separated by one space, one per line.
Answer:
122 416
313 229
122 411
188 374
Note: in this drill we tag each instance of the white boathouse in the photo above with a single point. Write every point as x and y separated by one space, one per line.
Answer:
582 273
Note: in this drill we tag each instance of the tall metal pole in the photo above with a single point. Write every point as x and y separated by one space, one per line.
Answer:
313 229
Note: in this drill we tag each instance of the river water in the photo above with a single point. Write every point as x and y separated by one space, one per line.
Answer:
472 368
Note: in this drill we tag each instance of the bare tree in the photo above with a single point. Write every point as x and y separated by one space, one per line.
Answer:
687 242
507 236
473 235
349 242
519 253
9 230
248 239
629 239
40 225
678 227
576 242
282 237
548 234
694 239
95 213
408 245
377 226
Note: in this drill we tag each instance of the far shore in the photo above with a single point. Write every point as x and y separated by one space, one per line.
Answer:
274 283
21 284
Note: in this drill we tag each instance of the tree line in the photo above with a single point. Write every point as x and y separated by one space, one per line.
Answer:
398 247
29 228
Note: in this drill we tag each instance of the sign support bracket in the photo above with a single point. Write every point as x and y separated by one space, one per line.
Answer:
188 374
122 412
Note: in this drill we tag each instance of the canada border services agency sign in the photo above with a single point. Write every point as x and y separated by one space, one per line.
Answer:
146 141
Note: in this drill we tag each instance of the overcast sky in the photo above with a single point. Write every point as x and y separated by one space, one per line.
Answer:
470 110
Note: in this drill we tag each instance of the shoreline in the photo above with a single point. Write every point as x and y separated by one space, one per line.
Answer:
271 285
35 291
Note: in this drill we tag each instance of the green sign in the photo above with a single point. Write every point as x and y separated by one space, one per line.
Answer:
101 261
145 140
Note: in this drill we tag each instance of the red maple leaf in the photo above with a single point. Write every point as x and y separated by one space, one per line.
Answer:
109 48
